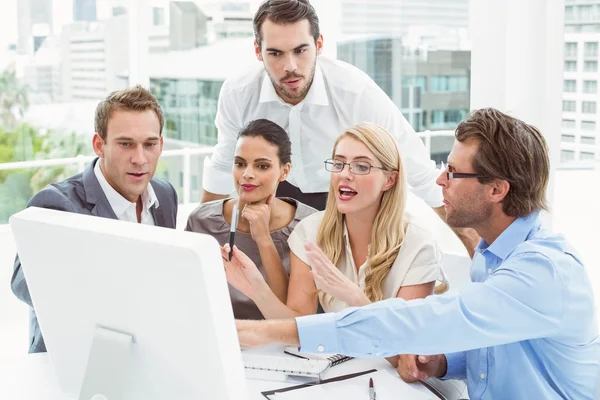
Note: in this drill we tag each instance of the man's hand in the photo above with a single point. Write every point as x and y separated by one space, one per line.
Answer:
259 216
412 368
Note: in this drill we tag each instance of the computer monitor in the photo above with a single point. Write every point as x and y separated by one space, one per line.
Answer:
130 311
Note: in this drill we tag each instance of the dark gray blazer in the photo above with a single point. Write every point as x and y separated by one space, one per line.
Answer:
82 194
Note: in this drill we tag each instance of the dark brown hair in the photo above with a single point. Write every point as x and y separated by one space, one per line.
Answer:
272 133
285 12
136 98
511 150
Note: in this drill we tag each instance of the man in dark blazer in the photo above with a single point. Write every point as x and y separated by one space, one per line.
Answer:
119 184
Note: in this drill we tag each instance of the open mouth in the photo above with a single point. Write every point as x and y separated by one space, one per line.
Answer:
347 193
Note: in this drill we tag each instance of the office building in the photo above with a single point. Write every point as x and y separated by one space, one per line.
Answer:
580 139
84 10
42 73
34 24
430 87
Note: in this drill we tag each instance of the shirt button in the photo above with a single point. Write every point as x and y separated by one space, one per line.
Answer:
320 348
489 270
482 376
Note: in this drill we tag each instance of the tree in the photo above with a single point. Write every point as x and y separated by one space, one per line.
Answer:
14 99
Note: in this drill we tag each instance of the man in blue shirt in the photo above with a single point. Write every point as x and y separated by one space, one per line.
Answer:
524 329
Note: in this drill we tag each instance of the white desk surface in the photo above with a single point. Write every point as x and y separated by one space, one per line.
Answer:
31 378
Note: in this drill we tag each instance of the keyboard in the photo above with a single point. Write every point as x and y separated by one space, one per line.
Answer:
279 367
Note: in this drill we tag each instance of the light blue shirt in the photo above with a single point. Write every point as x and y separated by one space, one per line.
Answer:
525 328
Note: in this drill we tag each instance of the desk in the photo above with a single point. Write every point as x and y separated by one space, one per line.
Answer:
31 378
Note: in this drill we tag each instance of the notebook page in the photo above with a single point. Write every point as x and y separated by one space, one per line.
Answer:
386 386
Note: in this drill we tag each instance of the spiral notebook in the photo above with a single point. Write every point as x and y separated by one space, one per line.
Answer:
334 359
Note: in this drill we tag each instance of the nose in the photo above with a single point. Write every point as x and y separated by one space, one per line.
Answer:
442 179
139 157
345 172
290 64
248 173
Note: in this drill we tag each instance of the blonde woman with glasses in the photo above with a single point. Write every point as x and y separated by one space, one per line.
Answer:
361 249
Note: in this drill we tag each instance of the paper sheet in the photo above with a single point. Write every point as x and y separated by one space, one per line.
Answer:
386 387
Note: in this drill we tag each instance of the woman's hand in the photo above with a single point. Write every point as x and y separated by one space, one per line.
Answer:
241 272
329 279
259 216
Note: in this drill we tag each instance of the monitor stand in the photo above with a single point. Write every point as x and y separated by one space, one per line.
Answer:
107 366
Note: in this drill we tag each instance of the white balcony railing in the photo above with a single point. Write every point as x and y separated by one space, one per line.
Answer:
186 153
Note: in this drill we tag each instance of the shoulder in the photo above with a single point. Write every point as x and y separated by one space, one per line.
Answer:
207 217
308 227
303 211
163 189
417 234
60 195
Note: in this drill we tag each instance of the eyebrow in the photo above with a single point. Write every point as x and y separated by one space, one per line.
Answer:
355 158
256 160
294 49
150 139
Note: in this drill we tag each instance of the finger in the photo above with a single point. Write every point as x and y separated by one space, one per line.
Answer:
406 368
424 359
270 200
244 259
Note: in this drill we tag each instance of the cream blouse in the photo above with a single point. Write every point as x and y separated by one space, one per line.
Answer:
419 259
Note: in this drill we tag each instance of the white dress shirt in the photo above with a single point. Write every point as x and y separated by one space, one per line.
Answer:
419 259
340 97
123 208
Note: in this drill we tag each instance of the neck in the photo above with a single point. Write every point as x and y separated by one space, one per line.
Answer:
360 226
493 227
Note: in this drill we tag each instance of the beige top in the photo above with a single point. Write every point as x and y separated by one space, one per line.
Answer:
419 259
208 218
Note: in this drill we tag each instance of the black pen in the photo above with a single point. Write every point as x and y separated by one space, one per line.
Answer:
372 393
234 222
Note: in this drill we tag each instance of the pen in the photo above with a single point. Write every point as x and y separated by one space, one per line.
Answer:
372 393
234 222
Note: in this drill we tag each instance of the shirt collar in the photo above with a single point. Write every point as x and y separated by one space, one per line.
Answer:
516 233
119 203
317 94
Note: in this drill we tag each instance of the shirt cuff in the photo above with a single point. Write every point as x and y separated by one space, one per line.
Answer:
215 180
456 365
318 333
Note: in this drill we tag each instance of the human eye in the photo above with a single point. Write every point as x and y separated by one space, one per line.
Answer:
150 144
125 144
263 166
275 53
239 164
337 165
300 51
362 167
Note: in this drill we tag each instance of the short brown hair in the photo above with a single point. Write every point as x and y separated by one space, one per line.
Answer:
511 150
285 12
136 98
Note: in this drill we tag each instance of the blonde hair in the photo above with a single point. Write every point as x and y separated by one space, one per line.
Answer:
389 226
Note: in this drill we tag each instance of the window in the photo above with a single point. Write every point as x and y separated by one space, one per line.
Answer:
568 123
569 105
446 119
584 155
567 138
158 16
588 107
419 81
570 86
590 86
590 49
570 66
570 49
588 125
590 66
567 155
449 84
587 140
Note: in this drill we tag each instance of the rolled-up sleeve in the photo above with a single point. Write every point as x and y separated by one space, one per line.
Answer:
217 173
421 172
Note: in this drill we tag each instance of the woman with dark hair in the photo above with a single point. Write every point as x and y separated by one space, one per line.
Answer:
262 160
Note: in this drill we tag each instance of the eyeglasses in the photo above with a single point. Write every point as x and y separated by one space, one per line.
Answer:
459 175
356 167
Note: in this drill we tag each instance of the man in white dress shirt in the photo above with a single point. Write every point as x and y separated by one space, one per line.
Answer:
314 99
119 184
